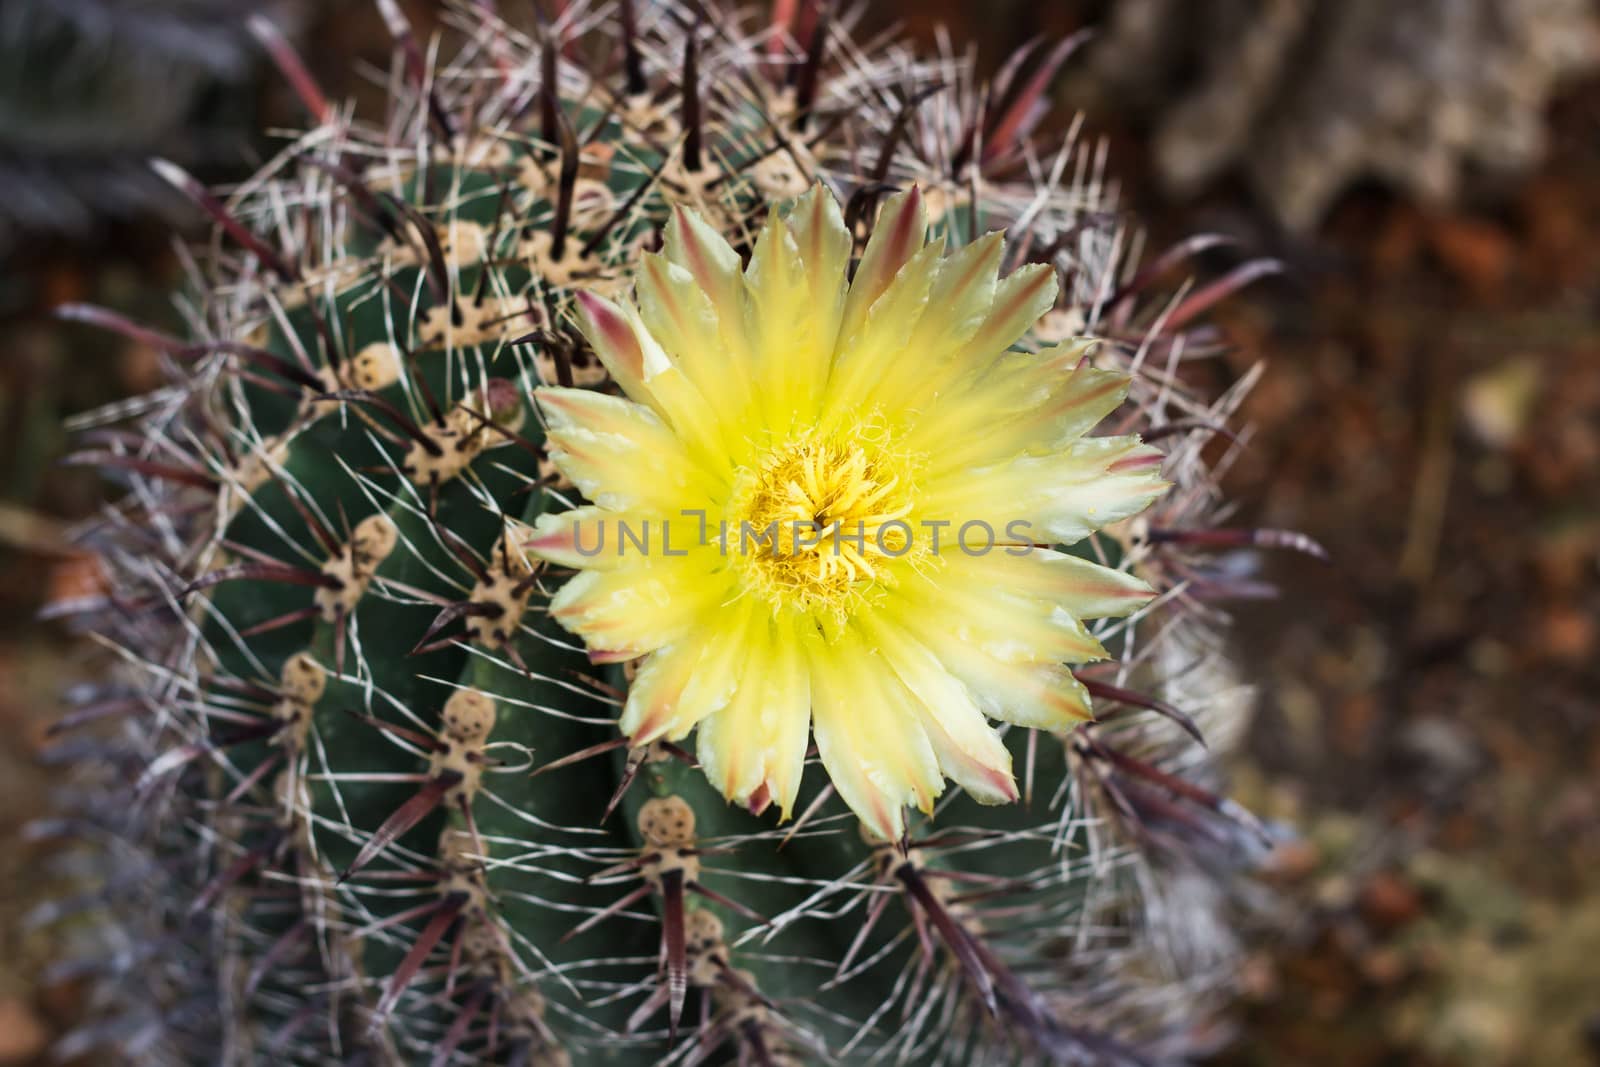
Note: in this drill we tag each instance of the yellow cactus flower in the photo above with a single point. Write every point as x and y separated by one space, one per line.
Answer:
820 507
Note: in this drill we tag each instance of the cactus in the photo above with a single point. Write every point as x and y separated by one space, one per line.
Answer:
373 801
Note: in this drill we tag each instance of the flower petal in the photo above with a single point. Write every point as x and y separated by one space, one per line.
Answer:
1086 589
1002 647
963 295
1024 403
619 453
691 243
824 244
1020 300
611 335
899 234
937 353
869 735
586 409
969 750
1044 696
684 683
637 607
1062 497
649 377
794 328
990 609
713 354
880 342
579 538
655 707
759 738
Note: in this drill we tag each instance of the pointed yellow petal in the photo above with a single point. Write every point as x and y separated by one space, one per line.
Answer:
692 244
655 707
759 738
639 606
608 331
682 684
581 538
941 347
880 344
824 244
996 611
962 296
620 454
649 377
1050 581
1041 696
969 751
1087 590
1080 403
869 736
1034 403
588 410
713 355
699 424
1062 497
794 336
898 235
1020 299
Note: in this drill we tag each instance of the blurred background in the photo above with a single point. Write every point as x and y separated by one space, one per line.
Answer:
1429 174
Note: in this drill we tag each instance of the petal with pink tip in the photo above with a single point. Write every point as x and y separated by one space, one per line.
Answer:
758 741
1044 696
880 344
1086 589
969 750
691 243
1020 299
622 454
869 735
1024 403
694 678
637 607
611 335
655 707
962 296
990 610
824 245
899 234
681 317
582 538
793 327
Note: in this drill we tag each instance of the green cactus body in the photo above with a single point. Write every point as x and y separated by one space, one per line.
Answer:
395 786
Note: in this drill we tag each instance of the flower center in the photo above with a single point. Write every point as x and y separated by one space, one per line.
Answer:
818 520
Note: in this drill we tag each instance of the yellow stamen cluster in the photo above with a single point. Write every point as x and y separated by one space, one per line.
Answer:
816 520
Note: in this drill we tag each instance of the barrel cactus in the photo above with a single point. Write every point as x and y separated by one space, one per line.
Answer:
534 639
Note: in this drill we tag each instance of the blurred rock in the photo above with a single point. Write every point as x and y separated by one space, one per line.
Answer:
1440 755
1476 253
90 89
1389 901
1498 402
23 1035
1307 97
